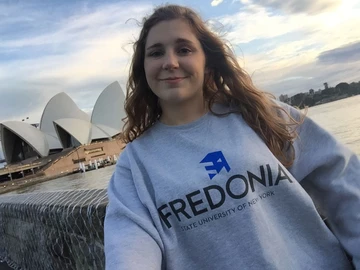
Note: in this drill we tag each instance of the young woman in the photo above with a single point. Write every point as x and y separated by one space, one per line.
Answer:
218 175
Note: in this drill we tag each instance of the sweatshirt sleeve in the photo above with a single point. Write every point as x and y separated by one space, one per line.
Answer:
130 238
330 173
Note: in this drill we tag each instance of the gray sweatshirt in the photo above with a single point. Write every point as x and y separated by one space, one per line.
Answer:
211 195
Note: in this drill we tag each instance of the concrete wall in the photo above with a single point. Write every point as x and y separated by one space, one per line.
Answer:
54 230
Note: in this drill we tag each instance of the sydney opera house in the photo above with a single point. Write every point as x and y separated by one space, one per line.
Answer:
66 132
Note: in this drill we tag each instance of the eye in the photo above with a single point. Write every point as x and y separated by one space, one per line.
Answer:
155 54
185 51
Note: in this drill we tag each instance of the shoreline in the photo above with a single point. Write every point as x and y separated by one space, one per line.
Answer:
9 186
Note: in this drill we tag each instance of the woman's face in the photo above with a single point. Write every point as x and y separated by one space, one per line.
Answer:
174 63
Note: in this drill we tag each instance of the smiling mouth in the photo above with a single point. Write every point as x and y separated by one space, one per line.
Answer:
173 79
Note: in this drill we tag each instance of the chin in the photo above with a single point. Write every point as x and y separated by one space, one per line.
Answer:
175 100
175 95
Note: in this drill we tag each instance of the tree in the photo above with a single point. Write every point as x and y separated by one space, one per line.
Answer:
343 88
298 100
355 88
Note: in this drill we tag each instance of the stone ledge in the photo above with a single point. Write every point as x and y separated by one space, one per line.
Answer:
53 230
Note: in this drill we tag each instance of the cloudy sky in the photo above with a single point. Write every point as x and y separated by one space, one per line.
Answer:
80 47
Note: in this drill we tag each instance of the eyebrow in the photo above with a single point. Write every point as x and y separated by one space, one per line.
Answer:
178 40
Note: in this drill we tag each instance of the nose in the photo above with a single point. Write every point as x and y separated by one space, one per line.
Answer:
170 61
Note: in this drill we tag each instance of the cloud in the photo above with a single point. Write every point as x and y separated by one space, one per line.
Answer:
347 53
84 28
297 74
215 3
247 26
307 76
252 23
79 55
82 53
281 52
19 103
296 6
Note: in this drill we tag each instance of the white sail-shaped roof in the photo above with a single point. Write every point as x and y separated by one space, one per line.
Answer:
97 133
82 131
53 141
77 128
32 136
108 130
59 107
109 109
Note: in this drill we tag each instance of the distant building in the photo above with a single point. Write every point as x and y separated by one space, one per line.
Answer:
63 125
326 85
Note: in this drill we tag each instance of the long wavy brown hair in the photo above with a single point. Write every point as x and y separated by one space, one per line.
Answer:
225 82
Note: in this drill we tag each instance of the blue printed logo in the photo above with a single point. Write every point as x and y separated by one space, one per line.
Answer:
218 162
